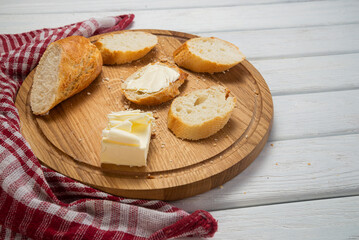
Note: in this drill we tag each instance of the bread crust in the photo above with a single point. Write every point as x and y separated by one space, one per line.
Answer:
161 96
111 57
185 58
80 64
197 131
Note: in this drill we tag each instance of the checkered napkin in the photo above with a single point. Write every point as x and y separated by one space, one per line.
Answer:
38 203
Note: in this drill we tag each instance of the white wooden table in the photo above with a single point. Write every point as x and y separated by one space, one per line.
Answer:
305 183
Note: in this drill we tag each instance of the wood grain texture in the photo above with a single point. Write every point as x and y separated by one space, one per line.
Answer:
321 220
288 171
294 42
321 74
206 19
315 115
44 6
68 139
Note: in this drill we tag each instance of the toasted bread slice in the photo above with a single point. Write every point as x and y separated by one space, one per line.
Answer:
67 66
200 113
154 84
125 47
207 54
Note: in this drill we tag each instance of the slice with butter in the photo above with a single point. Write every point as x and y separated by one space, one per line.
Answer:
153 84
126 139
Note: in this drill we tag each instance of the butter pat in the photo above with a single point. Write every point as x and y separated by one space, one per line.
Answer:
126 139
151 78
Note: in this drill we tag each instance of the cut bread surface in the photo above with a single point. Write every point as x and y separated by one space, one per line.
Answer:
44 89
207 54
215 50
126 46
201 113
67 66
163 84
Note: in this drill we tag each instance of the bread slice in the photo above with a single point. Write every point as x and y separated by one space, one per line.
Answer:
126 46
153 75
200 113
207 54
67 66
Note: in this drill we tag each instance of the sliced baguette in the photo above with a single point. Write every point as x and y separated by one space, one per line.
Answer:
207 54
154 98
126 46
200 113
67 66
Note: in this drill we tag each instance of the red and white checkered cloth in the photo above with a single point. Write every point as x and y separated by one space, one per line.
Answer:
38 203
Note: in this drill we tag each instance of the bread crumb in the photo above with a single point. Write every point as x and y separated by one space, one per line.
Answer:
271 144
220 157
246 136
227 136
162 145
216 139
136 176
309 164
221 186
211 161
88 93
149 176
80 139
214 144
105 79
244 192
276 164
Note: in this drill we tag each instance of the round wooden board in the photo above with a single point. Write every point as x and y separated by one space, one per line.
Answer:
68 138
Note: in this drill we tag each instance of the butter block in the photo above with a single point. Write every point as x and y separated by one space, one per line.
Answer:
126 139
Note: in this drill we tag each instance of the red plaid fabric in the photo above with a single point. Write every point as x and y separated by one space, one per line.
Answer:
38 203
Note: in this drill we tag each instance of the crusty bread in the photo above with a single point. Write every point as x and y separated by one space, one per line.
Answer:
155 98
207 54
125 47
67 66
200 113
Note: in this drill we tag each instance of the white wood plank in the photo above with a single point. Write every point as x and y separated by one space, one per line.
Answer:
206 19
310 74
289 171
320 220
315 115
295 42
69 6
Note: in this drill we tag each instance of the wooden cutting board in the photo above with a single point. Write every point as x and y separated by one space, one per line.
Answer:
68 138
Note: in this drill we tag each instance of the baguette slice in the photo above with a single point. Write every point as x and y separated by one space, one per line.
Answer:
200 113
164 94
126 46
67 66
207 54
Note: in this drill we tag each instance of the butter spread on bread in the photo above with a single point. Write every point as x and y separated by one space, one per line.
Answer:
153 84
126 46
207 54
126 139
152 78
200 113
67 66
